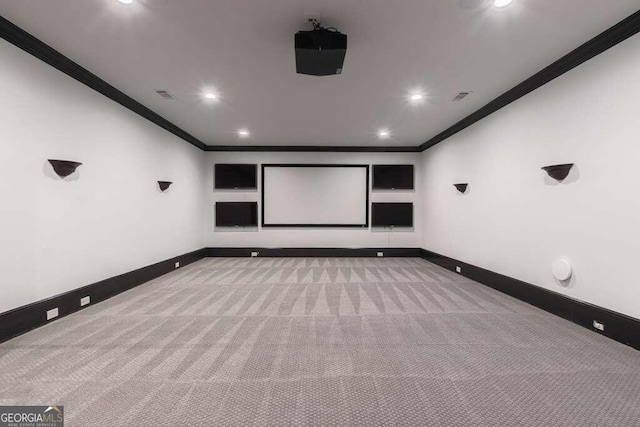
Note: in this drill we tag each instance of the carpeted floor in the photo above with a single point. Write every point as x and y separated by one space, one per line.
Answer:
354 342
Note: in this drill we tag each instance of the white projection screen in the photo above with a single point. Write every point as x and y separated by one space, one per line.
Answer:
315 195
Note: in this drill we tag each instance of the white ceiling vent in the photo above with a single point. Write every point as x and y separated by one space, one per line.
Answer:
165 94
461 95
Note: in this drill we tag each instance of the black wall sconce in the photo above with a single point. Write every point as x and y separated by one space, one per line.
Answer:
164 185
461 187
64 168
558 172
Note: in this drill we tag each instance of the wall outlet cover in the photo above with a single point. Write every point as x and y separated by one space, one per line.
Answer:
52 314
177 264
85 301
597 325
254 254
380 253
458 269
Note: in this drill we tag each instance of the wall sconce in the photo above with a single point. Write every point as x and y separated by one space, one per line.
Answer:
64 168
164 185
558 172
461 187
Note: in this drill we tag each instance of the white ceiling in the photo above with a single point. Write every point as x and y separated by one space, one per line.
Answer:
244 49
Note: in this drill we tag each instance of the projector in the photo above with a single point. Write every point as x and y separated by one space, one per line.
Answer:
320 52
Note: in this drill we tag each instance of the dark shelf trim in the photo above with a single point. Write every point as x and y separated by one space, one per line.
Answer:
620 327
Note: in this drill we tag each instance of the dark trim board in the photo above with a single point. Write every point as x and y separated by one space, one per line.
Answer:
618 326
313 165
23 319
597 45
314 252
314 148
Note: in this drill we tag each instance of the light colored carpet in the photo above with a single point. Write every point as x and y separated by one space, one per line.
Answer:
321 341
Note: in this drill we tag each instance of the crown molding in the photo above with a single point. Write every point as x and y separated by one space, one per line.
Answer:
597 45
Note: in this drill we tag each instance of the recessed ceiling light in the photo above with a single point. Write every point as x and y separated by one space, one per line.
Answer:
384 133
502 3
416 97
126 1
210 96
244 133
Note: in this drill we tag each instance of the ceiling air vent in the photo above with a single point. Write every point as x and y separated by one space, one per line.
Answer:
460 96
165 94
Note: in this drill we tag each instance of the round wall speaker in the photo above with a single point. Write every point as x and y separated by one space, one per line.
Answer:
562 269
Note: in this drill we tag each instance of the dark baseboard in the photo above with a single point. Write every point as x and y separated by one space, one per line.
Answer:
313 252
618 326
23 319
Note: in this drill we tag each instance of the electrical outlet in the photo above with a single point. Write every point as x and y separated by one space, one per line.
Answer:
254 254
458 269
85 301
380 253
177 264
599 326
52 314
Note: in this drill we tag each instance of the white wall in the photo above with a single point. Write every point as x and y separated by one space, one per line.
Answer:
516 221
312 237
108 218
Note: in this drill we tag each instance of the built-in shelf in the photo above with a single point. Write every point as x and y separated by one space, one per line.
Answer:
558 172
164 185
461 187
64 168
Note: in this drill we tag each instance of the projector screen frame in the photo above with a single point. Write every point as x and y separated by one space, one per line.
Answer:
314 165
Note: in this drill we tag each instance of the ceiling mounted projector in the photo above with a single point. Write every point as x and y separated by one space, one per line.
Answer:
321 51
